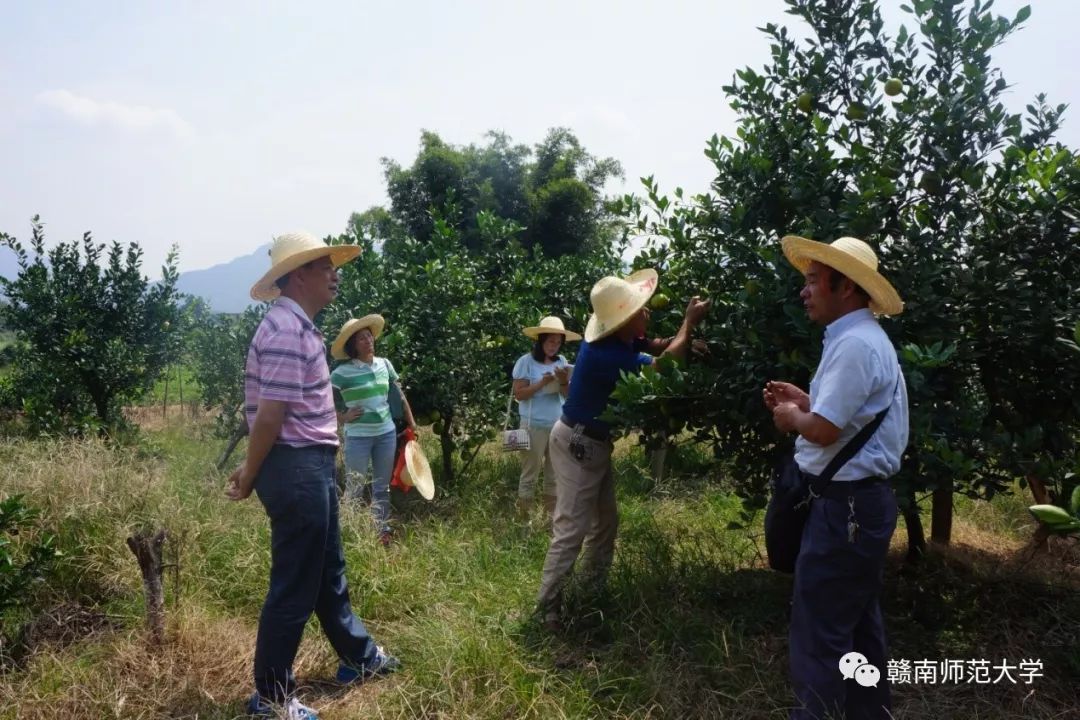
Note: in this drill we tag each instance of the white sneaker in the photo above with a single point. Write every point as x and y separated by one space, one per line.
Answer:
291 710
295 711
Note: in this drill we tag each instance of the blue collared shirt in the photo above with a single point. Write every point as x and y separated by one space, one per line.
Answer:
596 372
855 380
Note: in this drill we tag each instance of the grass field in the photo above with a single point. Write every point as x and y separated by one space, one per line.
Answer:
692 625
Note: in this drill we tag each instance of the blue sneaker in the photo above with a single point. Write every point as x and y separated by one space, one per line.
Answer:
382 664
258 707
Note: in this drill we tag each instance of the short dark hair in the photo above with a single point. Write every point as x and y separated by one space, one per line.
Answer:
282 281
836 278
538 346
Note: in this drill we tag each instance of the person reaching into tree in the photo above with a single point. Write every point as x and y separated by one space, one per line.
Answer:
580 445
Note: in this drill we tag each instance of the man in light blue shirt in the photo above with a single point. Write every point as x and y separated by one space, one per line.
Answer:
837 632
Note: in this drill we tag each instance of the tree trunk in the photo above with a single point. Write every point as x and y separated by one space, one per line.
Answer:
468 464
180 387
658 461
916 538
238 434
1042 497
447 456
941 516
147 550
165 396
101 407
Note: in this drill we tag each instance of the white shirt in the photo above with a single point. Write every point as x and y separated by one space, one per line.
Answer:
858 376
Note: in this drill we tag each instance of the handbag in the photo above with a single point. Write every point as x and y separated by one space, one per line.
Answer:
395 399
792 492
515 440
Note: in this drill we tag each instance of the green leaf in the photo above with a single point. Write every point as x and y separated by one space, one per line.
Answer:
1051 515
1022 15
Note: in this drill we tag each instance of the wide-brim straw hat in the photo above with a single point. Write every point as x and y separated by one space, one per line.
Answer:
550 325
417 471
290 251
615 301
852 257
373 322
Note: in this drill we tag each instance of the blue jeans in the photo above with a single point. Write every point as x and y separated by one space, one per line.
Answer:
836 608
307 567
378 452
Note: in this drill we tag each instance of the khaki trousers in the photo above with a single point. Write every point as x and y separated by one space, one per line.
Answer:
585 513
533 460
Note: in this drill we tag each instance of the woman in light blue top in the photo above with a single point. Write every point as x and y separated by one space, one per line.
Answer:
541 381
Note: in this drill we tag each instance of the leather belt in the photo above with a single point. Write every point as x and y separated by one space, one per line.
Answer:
840 490
594 432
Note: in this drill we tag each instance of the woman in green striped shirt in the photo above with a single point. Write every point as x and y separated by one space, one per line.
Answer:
361 386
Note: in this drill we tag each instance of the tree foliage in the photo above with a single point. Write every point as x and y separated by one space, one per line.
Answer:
971 208
93 333
219 354
454 317
554 192
26 552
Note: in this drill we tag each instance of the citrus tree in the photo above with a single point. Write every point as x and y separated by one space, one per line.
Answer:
27 551
218 352
901 138
93 332
1025 337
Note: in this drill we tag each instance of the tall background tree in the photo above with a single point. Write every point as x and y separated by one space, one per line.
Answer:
478 241
554 192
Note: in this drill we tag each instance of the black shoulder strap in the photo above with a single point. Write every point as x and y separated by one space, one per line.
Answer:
855 444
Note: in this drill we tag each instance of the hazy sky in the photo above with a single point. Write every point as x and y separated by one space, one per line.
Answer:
216 125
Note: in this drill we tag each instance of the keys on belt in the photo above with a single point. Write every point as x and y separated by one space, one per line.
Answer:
593 433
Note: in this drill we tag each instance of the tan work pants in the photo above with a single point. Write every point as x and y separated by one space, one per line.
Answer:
585 513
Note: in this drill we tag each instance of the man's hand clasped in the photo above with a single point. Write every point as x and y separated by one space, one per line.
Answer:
785 401
240 485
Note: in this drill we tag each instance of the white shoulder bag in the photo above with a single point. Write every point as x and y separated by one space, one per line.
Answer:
514 440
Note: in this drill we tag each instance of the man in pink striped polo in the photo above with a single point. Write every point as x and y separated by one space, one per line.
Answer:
290 465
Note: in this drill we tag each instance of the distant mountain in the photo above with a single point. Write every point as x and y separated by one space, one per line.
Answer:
225 287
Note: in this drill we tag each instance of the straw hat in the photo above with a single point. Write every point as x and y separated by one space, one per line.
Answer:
853 258
373 322
417 472
290 251
615 301
550 325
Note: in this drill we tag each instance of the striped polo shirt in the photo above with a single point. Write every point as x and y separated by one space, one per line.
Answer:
287 362
359 384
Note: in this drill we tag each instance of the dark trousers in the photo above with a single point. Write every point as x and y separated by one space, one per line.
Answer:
836 608
307 567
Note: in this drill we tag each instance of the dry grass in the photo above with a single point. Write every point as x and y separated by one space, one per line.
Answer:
692 626
154 418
